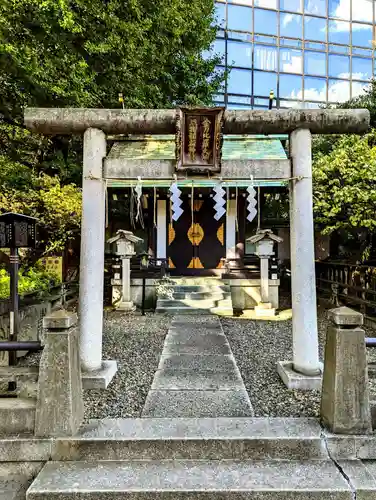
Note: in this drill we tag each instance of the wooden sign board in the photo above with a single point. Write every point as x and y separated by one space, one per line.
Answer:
199 139
17 231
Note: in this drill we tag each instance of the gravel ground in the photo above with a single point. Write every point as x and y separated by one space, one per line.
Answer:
257 346
136 342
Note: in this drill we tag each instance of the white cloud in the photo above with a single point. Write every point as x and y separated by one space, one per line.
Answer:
291 62
315 94
339 91
245 2
343 9
340 26
287 18
361 11
269 4
357 88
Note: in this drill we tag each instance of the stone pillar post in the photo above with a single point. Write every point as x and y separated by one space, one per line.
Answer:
264 275
345 404
303 284
126 282
126 303
92 250
60 407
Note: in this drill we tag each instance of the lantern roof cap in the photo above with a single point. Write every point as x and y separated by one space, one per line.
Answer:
264 234
126 235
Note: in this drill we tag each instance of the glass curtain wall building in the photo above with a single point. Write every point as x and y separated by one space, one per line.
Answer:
309 52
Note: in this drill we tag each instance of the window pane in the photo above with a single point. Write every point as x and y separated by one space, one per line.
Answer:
239 81
358 88
338 91
239 100
219 98
265 22
315 29
341 49
220 14
317 7
291 104
268 4
291 61
362 10
265 58
291 25
292 5
315 63
239 54
237 35
339 8
315 89
361 68
238 106
264 83
339 32
361 35
311 105
339 66
261 102
239 18
290 86
217 49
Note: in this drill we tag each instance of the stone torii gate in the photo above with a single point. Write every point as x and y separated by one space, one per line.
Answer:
94 124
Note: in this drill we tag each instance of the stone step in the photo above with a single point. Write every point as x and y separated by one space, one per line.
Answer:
190 479
19 373
200 289
195 304
194 438
198 280
180 310
17 415
213 295
12 488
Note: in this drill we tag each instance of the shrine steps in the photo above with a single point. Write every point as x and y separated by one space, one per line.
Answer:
192 459
197 296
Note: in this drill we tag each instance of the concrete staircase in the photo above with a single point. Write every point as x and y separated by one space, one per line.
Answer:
194 458
197 296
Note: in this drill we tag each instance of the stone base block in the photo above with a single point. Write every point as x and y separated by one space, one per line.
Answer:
99 379
295 380
265 310
126 306
17 416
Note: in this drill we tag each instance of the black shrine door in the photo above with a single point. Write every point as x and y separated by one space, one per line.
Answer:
196 249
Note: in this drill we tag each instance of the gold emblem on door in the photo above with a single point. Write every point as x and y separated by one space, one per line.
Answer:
195 234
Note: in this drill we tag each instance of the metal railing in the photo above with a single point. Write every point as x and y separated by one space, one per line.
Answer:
349 284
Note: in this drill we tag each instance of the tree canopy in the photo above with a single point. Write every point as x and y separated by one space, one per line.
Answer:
60 53
344 179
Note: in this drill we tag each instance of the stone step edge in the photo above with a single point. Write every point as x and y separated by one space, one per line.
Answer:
194 477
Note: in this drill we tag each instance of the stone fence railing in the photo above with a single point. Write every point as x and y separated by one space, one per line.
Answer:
33 307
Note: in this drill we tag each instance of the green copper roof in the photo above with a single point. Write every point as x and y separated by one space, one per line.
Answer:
160 147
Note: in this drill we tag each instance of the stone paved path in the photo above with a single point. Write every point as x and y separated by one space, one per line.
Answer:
197 374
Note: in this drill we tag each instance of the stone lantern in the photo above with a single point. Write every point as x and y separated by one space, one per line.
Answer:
264 241
125 242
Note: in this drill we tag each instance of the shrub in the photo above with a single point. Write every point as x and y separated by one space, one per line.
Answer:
31 280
